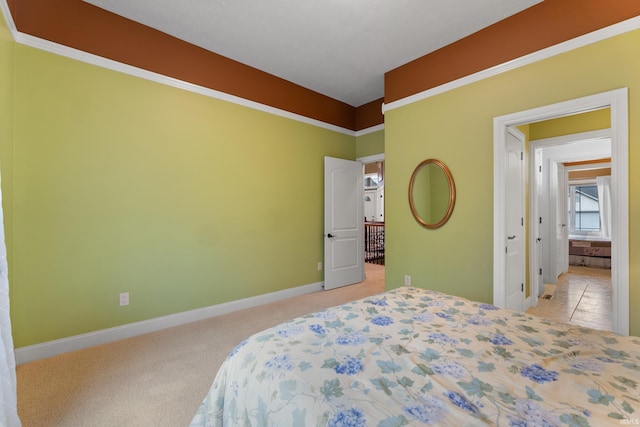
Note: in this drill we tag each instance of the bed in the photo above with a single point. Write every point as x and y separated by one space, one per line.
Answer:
411 356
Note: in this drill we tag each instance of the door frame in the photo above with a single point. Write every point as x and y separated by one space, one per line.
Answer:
617 101
557 206
536 231
371 159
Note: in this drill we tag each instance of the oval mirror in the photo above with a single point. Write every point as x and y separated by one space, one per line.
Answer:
432 193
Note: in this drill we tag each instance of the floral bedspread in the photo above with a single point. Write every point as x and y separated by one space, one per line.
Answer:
411 356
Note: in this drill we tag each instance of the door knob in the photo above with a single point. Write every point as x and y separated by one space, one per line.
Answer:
511 237
331 236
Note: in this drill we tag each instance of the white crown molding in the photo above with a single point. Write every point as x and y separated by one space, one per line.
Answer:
593 37
370 130
4 7
584 40
110 64
89 58
78 342
371 159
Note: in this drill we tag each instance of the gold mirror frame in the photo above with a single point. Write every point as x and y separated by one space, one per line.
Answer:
452 193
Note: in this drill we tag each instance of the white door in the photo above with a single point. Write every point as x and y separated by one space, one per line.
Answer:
370 205
343 222
537 229
559 245
380 204
562 240
515 253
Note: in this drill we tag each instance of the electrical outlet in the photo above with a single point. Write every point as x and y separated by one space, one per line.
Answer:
124 299
320 266
407 280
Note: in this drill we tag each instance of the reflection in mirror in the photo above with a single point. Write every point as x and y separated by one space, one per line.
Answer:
432 193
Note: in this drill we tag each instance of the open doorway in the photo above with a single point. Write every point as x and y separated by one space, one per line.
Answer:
559 166
617 102
374 226
570 238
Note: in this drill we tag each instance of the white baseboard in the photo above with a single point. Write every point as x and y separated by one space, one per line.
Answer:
77 342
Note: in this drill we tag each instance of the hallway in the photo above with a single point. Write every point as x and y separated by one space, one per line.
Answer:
583 296
374 274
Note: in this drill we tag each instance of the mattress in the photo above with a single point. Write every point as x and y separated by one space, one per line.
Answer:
412 356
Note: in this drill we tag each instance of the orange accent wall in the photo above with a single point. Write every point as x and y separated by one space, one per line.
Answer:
83 26
369 114
543 25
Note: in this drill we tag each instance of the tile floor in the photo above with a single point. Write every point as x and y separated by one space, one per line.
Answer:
583 296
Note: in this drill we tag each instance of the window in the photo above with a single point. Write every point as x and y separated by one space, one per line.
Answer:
374 174
584 211
371 180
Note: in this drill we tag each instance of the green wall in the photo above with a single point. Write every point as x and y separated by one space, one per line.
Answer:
458 258
370 144
126 185
6 129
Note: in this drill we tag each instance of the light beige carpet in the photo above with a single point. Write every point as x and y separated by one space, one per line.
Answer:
157 379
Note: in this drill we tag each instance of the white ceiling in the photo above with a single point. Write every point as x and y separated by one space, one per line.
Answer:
340 48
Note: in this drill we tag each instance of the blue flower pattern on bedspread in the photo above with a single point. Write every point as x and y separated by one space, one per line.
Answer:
412 356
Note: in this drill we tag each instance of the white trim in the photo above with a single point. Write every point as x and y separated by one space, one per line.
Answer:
370 130
582 137
371 159
620 219
4 7
77 342
590 38
110 64
617 100
89 58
